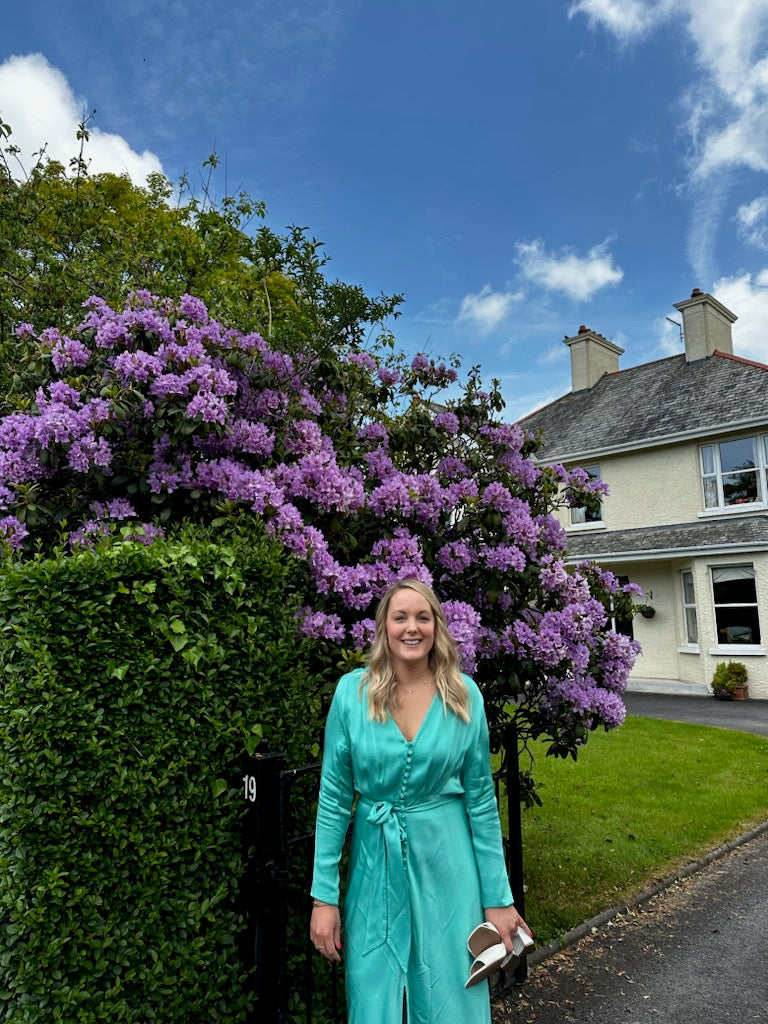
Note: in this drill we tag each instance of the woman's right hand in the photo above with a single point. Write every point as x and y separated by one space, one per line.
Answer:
325 931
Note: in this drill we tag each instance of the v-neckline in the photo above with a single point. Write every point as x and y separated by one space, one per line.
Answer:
421 723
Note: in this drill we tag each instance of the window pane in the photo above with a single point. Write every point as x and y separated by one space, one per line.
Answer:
740 488
736 455
707 459
688 595
582 514
737 625
710 493
691 626
735 591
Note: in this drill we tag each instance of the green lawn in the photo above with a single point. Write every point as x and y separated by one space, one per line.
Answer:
638 803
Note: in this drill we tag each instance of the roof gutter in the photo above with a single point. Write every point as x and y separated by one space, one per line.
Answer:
659 554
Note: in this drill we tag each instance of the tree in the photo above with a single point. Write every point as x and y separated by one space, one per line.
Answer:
66 235
158 413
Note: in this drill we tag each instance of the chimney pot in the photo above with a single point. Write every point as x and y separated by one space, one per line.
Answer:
695 292
583 329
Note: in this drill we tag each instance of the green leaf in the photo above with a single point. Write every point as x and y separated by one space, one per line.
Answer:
218 786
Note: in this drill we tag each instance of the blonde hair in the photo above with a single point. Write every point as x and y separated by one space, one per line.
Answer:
443 660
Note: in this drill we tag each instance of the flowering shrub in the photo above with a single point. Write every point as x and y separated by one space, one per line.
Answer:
357 463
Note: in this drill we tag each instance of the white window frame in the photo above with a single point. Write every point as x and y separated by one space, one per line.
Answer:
727 645
713 477
690 614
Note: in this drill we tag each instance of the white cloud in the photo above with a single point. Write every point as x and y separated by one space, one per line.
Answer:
486 309
752 222
579 277
725 106
742 143
625 19
38 103
727 103
747 297
707 213
553 354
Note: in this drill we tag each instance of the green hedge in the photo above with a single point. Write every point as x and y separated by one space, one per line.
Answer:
132 679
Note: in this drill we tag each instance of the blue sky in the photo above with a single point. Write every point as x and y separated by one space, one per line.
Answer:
515 168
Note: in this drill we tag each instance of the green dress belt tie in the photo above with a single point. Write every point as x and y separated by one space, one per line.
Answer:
388 919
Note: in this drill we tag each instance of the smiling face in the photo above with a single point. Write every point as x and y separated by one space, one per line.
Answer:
410 630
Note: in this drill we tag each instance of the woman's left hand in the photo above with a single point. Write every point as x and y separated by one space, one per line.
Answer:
507 921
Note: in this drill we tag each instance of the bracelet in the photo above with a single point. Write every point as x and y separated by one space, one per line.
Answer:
319 903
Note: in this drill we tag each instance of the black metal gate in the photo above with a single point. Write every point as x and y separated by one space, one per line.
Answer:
292 984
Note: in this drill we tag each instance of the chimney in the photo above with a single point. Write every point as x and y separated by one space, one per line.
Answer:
592 355
706 326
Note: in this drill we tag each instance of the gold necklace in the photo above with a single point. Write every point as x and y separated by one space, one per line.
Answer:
415 688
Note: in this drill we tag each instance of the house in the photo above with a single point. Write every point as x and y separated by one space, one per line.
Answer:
682 443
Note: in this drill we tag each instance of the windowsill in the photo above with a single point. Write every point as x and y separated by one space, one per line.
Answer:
741 650
579 527
734 510
689 649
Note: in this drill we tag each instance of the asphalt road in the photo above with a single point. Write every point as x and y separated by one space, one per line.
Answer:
742 715
695 953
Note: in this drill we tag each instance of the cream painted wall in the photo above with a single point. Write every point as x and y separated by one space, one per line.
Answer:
658 487
658 636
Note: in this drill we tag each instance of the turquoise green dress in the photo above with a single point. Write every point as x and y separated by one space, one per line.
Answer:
426 857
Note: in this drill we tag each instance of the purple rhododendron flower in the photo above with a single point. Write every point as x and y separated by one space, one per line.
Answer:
13 532
366 486
447 421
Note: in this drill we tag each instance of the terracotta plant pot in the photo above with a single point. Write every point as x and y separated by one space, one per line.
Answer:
741 691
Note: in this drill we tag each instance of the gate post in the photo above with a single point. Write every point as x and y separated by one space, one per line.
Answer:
262 889
515 824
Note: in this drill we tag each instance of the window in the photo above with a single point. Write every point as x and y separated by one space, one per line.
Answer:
735 597
689 607
732 472
618 623
582 514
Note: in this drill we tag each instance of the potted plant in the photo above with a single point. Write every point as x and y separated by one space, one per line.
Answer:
739 678
729 681
646 610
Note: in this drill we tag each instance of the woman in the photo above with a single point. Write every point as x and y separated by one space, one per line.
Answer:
409 736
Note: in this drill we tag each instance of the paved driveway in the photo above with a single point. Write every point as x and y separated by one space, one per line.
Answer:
696 953
742 715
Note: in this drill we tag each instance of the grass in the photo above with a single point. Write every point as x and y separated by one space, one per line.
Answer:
639 802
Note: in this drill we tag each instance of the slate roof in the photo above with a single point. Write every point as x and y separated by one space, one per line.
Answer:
704 536
651 402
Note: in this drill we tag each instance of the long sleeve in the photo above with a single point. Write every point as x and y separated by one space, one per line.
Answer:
335 800
483 812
